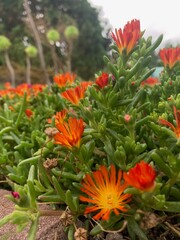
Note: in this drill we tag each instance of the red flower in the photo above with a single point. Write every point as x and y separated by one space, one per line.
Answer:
105 192
141 176
170 56
62 79
70 132
102 80
128 37
176 129
28 113
151 82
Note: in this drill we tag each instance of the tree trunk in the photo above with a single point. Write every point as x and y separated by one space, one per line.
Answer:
69 56
38 41
28 70
54 58
10 68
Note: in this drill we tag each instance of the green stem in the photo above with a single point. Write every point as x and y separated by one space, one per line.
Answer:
21 110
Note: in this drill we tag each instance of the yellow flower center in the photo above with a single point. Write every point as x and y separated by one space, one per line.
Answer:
109 200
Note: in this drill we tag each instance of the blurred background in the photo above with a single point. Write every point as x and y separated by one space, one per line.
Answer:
40 38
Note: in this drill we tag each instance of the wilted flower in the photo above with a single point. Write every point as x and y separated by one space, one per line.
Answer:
50 163
66 218
70 132
176 129
170 56
51 131
80 234
141 176
105 192
128 37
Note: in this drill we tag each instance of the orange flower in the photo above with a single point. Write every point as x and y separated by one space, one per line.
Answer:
60 116
85 85
66 78
151 82
7 85
141 176
74 95
128 37
11 108
102 80
170 56
70 132
28 113
176 129
21 89
105 192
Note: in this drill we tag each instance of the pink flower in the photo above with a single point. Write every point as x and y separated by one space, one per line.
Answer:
15 195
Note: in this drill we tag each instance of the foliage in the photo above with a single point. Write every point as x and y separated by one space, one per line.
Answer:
31 51
106 152
4 43
71 32
53 35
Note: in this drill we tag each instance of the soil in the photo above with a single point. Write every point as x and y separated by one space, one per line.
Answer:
49 227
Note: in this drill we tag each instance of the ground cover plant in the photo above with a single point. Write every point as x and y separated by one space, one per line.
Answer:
104 154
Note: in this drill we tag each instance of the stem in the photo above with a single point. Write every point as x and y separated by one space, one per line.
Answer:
54 58
69 57
171 182
10 68
21 111
28 70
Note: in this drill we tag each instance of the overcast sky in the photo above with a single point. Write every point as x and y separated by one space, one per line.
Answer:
156 16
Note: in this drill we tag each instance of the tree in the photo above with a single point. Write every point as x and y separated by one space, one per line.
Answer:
37 39
4 46
91 46
53 36
71 33
31 52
